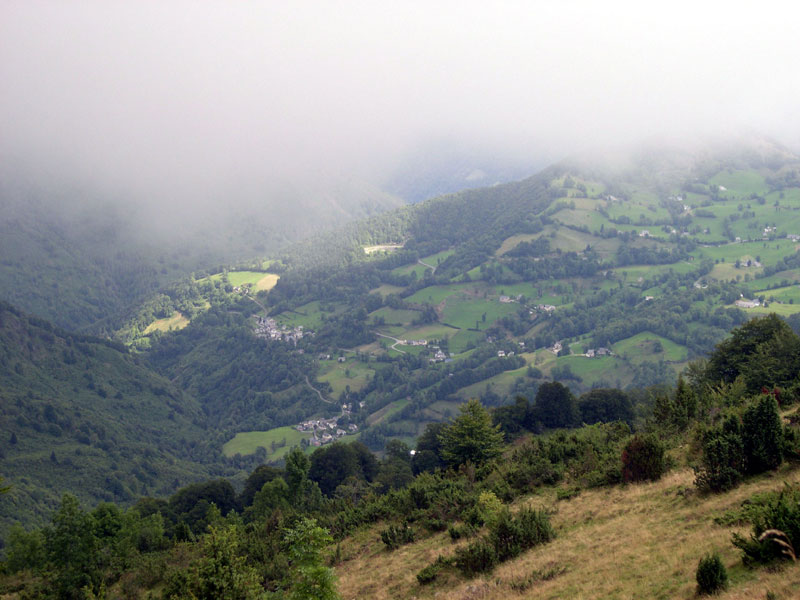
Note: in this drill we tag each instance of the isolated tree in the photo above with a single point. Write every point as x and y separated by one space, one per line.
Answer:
471 436
428 456
605 405
309 578
731 356
555 406
762 435
72 549
643 459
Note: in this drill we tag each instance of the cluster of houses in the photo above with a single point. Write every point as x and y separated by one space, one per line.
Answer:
747 303
545 308
596 352
438 356
325 431
269 329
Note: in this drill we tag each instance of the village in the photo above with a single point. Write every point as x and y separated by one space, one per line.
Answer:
268 328
325 431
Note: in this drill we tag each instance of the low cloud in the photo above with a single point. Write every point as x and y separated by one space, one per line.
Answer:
198 103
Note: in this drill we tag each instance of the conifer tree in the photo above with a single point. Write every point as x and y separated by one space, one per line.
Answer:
471 436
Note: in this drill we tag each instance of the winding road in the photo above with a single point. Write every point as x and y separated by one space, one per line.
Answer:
396 341
419 260
321 397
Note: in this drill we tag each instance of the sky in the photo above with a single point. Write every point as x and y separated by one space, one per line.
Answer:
173 100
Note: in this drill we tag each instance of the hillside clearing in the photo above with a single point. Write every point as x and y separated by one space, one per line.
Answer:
173 323
621 542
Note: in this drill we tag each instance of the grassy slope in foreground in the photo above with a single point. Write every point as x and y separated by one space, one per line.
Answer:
633 541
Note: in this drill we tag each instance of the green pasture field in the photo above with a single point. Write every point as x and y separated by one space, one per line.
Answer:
500 384
476 275
433 331
464 313
172 323
336 374
768 251
579 217
442 410
439 257
436 294
791 196
387 411
408 269
463 338
511 242
693 199
247 442
640 347
309 315
576 241
785 295
414 350
727 271
783 310
258 279
634 272
740 183
386 289
782 278
590 370
394 316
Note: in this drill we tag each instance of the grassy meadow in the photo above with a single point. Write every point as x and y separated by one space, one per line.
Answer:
248 442
616 543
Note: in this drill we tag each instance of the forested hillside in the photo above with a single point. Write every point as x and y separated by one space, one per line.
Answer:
82 414
84 258
684 491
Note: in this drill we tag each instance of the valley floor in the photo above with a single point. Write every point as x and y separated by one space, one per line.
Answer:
624 542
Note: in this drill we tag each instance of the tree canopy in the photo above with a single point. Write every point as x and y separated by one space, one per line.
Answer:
471 436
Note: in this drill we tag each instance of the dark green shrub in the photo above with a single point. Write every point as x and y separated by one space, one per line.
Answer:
461 531
394 537
434 524
781 515
643 459
512 535
567 493
506 536
711 575
478 557
723 458
429 573
762 435
535 528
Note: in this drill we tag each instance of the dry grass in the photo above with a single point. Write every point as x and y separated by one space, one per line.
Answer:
637 541
175 322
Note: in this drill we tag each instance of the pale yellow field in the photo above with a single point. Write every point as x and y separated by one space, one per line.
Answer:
175 322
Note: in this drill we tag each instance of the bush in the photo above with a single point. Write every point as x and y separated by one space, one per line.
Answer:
534 527
723 458
511 536
643 459
429 573
762 435
478 557
711 575
776 529
505 535
434 524
394 537
461 531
